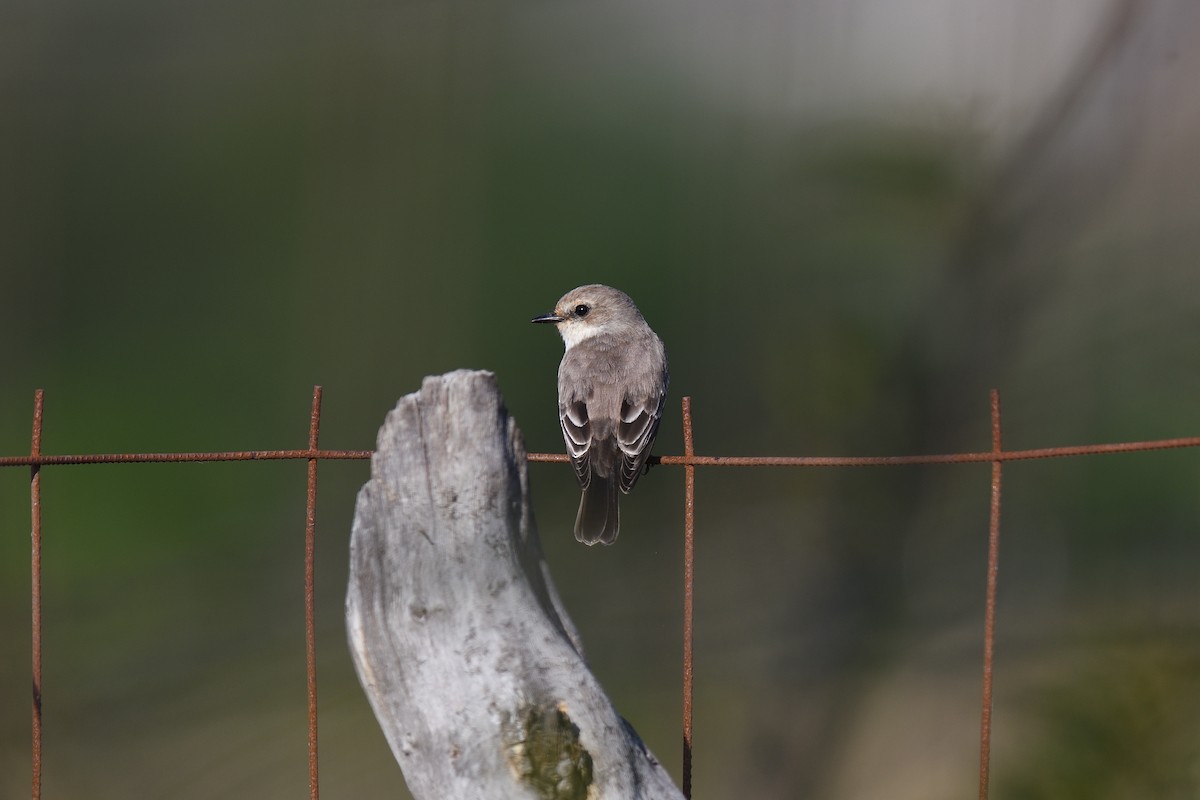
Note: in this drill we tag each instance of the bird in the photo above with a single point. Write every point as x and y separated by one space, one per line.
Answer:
612 383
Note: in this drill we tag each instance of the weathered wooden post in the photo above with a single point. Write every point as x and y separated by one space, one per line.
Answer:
472 667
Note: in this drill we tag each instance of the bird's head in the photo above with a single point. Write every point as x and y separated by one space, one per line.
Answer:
590 310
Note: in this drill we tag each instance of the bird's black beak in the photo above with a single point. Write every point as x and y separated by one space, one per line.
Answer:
551 317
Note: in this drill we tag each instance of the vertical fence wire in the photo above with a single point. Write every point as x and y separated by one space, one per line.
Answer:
35 501
310 623
689 579
996 456
989 614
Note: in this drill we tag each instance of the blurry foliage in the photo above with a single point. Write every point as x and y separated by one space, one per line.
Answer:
206 210
1121 724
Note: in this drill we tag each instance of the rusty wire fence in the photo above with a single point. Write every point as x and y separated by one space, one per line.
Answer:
996 456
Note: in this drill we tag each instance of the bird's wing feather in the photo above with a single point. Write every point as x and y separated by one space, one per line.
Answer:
635 434
577 433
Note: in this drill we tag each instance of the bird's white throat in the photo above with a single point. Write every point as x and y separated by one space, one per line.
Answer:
573 334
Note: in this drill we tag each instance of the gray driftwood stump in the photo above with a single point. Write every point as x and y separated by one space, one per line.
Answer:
470 663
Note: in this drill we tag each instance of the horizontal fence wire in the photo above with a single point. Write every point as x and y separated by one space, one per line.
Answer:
184 458
1070 451
997 456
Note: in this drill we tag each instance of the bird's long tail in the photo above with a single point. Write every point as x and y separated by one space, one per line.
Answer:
599 517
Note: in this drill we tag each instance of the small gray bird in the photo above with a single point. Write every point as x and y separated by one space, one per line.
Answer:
611 386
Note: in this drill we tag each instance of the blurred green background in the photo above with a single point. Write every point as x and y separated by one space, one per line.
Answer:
847 221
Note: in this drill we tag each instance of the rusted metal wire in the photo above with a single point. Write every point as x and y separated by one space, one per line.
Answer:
173 458
684 460
989 613
689 580
310 617
893 461
689 460
35 497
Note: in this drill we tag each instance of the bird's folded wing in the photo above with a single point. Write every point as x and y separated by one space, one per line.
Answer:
577 433
635 434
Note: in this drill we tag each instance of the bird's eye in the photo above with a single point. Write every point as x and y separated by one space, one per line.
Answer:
582 310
